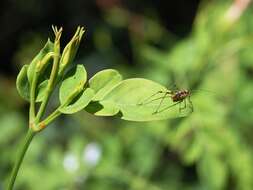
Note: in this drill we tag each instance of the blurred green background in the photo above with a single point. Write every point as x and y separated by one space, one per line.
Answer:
205 46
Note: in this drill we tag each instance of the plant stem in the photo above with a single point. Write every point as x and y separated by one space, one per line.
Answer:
32 97
51 117
50 86
53 75
29 136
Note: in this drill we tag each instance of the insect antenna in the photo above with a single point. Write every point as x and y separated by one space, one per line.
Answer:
206 91
211 92
202 90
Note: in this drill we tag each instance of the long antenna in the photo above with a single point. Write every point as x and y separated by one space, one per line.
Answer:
212 92
202 90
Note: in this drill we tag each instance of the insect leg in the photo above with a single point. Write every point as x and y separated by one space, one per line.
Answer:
191 104
162 99
182 108
167 107
147 100
173 86
179 106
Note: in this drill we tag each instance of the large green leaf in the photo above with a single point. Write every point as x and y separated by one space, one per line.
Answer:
22 83
131 97
103 82
49 47
73 84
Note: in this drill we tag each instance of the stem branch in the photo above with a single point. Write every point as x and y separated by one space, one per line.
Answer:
33 97
50 118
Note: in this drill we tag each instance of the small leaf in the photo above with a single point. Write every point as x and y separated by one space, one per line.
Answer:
49 47
73 84
23 86
80 103
41 91
22 83
130 97
103 82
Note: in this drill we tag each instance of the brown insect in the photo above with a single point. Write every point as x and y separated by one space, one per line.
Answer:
177 96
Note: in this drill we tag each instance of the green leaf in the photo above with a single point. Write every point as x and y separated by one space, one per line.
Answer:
132 98
73 84
23 86
49 47
80 103
41 91
104 108
22 83
103 82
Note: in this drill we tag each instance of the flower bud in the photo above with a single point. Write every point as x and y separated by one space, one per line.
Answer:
70 50
57 33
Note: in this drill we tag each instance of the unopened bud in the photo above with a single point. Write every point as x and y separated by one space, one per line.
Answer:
70 50
57 33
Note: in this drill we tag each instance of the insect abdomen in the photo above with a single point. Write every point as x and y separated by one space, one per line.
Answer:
180 95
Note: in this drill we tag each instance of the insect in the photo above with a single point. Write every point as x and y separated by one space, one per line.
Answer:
177 96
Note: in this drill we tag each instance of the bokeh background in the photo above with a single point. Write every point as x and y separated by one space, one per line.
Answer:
199 45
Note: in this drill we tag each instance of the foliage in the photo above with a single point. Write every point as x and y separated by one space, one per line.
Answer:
209 149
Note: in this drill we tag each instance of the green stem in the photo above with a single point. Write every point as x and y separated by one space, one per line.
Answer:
32 97
50 86
57 112
50 118
29 136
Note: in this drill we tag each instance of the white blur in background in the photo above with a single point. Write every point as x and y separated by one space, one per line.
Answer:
92 154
